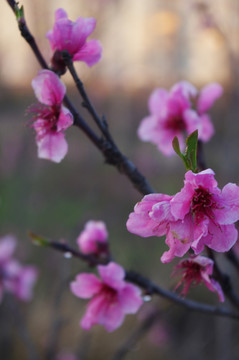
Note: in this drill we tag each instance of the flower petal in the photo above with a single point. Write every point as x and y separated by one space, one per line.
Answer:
52 146
130 299
90 52
112 275
48 88
85 285
208 95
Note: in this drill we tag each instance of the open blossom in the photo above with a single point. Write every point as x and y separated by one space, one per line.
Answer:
72 36
111 297
14 277
50 117
196 270
199 215
178 112
93 239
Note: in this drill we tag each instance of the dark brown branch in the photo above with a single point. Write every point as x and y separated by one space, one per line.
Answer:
231 256
224 281
106 145
148 285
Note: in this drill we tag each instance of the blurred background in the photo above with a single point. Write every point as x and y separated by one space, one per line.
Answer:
147 44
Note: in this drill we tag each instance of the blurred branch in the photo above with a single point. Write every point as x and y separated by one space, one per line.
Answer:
224 281
231 256
106 145
147 324
22 329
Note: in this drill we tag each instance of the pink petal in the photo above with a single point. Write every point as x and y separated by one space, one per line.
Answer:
140 223
221 238
85 285
187 89
60 14
208 95
82 28
48 88
181 202
112 275
90 53
7 247
52 146
94 232
26 280
157 102
130 299
229 211
201 123
65 119
100 311
176 247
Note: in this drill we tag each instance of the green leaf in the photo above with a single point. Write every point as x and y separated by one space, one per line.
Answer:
19 12
38 240
191 151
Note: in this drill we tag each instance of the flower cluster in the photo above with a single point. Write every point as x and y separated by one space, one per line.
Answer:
178 112
14 277
196 270
199 215
112 297
50 117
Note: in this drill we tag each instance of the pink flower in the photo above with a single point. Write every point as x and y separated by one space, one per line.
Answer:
51 118
171 114
72 36
112 297
196 270
93 239
199 215
14 277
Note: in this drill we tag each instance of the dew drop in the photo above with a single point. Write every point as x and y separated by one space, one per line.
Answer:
68 255
147 298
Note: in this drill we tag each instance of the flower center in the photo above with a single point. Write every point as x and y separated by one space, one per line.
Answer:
202 204
109 292
176 123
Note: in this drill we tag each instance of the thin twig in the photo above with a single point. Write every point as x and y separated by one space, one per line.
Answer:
231 256
148 285
146 325
152 288
110 151
224 281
